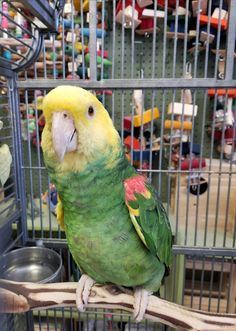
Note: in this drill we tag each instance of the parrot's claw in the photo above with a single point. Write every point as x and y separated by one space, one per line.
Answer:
141 299
83 291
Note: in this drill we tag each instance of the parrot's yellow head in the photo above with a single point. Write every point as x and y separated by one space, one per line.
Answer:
78 127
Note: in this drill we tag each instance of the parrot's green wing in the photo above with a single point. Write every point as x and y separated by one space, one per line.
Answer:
149 217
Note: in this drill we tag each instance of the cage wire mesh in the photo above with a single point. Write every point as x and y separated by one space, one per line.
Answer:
165 71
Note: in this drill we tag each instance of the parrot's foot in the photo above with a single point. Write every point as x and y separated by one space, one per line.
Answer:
83 291
141 299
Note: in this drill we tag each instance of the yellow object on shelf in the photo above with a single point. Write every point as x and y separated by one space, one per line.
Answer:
186 125
39 102
146 117
12 13
85 5
79 46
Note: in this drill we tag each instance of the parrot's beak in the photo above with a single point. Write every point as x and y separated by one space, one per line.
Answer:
64 134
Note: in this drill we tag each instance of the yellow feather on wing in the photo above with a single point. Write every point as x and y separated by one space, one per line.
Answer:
60 213
136 225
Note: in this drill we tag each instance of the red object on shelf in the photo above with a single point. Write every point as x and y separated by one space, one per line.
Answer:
144 24
231 92
99 53
230 133
147 25
127 123
127 3
128 142
101 26
228 136
175 157
171 3
204 19
217 135
195 164
106 92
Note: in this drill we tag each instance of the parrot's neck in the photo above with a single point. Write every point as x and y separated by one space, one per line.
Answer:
98 188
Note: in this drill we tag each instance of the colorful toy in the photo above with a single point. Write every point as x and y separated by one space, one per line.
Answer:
178 108
223 125
4 20
185 125
146 27
190 162
69 50
100 60
215 18
128 14
201 4
85 5
19 20
222 92
194 163
68 23
180 12
138 120
99 53
182 114
28 124
50 198
138 18
84 72
170 3
7 54
136 146
99 32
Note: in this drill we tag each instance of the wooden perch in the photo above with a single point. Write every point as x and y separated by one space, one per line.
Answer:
22 297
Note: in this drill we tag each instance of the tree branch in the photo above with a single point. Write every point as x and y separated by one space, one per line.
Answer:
21 297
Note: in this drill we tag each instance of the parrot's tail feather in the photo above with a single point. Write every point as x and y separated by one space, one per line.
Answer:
20 297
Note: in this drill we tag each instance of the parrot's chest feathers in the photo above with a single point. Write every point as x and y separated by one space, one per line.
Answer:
97 232
94 212
94 192
94 201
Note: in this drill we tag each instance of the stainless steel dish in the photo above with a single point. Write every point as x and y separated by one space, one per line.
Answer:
31 264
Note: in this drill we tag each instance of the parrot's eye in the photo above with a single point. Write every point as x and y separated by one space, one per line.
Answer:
91 111
65 115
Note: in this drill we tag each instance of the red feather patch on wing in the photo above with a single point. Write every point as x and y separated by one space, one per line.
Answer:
136 184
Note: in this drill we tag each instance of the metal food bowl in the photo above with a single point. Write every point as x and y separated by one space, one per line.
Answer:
31 264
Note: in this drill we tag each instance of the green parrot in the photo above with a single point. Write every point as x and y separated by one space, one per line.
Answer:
117 229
